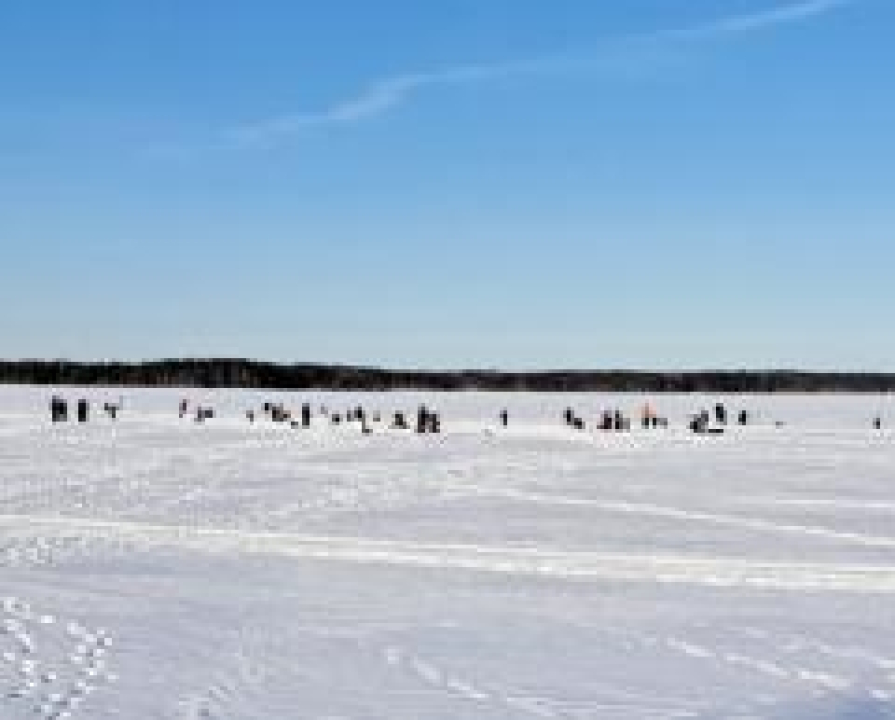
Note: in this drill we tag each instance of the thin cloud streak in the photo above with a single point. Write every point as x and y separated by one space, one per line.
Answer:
762 20
386 94
376 99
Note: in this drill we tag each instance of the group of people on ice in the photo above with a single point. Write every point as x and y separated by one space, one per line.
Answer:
428 421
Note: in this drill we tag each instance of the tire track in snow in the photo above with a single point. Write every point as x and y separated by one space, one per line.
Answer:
672 513
837 504
719 572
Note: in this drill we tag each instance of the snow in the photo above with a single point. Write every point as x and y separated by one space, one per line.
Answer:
154 567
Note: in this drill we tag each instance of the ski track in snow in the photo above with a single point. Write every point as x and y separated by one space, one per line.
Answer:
709 571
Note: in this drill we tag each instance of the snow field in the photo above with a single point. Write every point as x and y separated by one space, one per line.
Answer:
259 571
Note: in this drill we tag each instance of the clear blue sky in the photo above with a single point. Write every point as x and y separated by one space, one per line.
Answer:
488 183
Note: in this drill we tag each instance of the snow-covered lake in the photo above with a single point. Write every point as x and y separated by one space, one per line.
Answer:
158 568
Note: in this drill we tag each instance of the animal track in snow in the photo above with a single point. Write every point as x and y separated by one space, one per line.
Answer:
48 665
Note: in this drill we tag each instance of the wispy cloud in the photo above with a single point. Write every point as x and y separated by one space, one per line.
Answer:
388 93
761 20
376 99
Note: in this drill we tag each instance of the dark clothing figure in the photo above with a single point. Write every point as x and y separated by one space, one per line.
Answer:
83 411
504 418
618 420
744 417
58 409
203 414
720 414
306 415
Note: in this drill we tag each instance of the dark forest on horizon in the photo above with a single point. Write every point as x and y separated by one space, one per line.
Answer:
237 373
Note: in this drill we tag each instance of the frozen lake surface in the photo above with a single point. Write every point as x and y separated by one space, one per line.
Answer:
158 568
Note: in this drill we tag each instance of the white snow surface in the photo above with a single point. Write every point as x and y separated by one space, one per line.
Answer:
154 567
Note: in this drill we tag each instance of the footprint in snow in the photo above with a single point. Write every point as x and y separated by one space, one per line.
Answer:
47 664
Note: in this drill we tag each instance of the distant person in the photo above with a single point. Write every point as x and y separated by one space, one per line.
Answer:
648 416
619 421
504 418
720 414
422 420
58 409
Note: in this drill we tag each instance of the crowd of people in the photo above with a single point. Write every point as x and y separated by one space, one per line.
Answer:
59 409
427 421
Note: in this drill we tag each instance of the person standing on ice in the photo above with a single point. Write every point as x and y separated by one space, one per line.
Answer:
721 414
422 420
647 415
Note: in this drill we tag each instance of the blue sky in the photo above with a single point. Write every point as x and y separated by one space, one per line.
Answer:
487 183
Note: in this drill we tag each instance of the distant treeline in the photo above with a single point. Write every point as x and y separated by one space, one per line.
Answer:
233 373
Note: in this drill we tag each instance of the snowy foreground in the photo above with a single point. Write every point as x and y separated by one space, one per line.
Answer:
156 568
